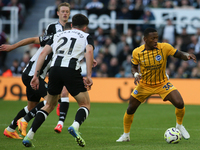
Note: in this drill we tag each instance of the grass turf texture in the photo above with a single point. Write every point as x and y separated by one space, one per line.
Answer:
104 126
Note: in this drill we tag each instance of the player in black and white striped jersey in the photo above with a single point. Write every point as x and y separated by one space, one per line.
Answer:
32 95
69 48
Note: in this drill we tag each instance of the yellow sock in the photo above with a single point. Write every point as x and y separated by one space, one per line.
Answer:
179 115
128 119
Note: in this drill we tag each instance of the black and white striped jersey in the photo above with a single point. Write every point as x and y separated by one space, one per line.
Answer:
51 29
31 66
69 47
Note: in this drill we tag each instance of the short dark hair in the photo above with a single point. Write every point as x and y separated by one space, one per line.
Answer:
79 20
149 30
68 26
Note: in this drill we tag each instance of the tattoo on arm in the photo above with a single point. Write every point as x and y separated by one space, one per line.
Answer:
38 73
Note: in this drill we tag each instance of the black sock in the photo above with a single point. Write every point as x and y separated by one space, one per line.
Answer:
33 112
59 101
20 114
81 115
63 110
39 119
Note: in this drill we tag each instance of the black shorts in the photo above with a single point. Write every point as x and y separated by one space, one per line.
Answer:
63 76
34 95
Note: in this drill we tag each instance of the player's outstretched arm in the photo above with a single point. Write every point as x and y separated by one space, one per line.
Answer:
35 81
8 48
185 56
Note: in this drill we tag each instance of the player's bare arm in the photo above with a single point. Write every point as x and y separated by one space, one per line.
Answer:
185 56
89 63
8 48
134 70
35 81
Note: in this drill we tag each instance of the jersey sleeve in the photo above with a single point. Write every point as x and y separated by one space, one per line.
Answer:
44 39
50 30
134 59
50 41
170 49
90 40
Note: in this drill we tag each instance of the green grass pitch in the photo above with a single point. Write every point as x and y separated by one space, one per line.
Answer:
104 126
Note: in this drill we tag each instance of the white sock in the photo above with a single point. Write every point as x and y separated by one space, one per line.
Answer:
23 120
76 125
127 134
61 123
30 134
10 129
65 99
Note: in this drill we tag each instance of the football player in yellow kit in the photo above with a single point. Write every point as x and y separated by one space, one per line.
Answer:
148 67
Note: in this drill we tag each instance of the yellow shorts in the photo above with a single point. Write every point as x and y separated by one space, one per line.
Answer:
143 91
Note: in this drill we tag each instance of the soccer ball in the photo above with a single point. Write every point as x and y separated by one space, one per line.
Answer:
172 135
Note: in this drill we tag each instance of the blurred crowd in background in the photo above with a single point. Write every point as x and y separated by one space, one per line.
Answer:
113 48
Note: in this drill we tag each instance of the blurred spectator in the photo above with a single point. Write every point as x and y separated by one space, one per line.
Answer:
107 55
113 5
27 3
138 5
121 73
113 67
103 72
183 71
97 47
22 11
123 54
146 2
77 4
198 34
114 36
184 4
194 43
54 13
25 60
3 54
110 45
137 39
124 13
197 4
121 44
127 65
171 70
168 4
186 40
155 4
16 70
130 38
2 13
196 71
169 32
129 4
179 44
94 4
99 35
146 17
99 60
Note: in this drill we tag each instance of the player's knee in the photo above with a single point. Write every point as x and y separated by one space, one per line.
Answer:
180 104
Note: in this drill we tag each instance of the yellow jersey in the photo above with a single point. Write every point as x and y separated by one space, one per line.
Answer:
152 63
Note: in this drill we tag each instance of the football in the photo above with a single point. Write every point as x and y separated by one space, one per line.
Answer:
172 135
